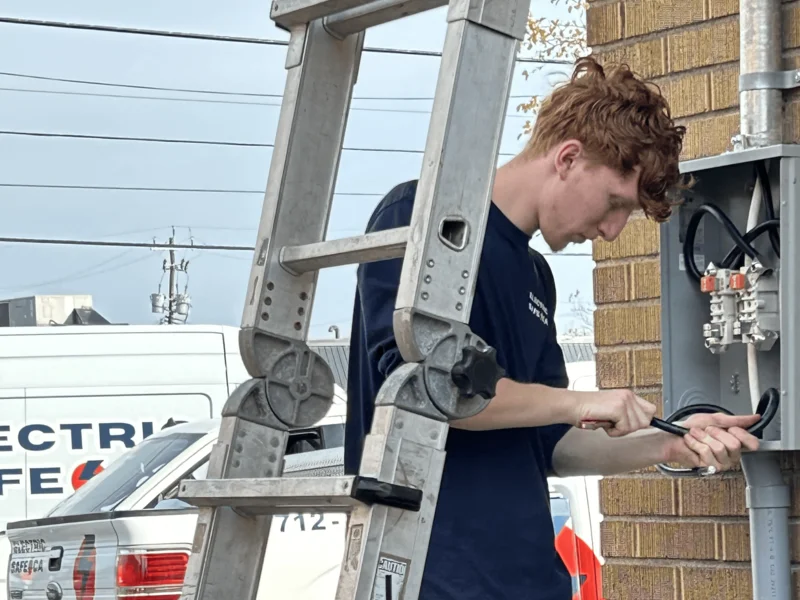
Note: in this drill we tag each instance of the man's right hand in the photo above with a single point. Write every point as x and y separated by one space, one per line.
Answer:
618 412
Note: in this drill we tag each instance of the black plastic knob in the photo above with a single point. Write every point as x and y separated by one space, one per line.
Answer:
477 373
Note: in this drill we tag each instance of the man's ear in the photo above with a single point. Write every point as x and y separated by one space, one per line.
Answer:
565 156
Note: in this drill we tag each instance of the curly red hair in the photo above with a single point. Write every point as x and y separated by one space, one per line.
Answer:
623 122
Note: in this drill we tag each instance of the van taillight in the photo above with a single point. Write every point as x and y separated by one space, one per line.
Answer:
151 575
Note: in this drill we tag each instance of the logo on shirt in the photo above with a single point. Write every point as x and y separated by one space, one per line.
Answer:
538 308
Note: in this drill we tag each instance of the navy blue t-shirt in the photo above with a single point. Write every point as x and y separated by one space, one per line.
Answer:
493 536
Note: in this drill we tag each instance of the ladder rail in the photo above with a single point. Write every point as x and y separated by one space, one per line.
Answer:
448 372
321 73
228 547
448 221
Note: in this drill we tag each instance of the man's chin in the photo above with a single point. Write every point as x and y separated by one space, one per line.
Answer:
556 245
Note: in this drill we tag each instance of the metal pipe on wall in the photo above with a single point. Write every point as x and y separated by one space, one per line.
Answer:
760 51
761 124
768 501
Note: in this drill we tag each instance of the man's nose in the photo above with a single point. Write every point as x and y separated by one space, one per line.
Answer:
612 227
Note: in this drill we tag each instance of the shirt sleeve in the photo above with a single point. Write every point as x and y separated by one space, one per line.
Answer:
378 282
551 370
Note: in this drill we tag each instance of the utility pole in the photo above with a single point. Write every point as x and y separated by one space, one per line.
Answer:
175 305
172 289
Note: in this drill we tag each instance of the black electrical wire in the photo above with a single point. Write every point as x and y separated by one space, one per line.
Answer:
691 232
743 243
767 407
733 260
769 207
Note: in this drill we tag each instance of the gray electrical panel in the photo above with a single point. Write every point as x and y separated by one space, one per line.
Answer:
697 368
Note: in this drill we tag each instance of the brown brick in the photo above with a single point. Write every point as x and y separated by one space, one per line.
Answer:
725 87
794 482
647 59
721 497
725 582
647 367
614 369
790 461
603 23
627 324
657 399
791 123
790 25
703 46
734 541
639 582
611 283
651 496
646 280
794 540
617 538
710 136
791 61
685 540
722 8
647 16
639 238
687 94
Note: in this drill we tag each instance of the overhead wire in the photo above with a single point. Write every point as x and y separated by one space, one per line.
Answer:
83 273
205 100
74 242
149 245
203 91
228 38
82 136
123 188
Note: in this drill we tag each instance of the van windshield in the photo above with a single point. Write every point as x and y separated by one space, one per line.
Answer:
104 491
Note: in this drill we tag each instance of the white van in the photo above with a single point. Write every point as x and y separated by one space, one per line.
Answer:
74 398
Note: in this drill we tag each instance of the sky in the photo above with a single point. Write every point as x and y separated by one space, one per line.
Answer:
121 280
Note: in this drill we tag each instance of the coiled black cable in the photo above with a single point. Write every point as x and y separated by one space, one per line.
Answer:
769 207
691 232
767 407
742 243
734 258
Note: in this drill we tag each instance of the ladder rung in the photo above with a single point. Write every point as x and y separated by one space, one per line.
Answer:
358 249
287 13
272 495
377 12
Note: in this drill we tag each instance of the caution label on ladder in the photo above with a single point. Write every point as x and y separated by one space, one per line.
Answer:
390 578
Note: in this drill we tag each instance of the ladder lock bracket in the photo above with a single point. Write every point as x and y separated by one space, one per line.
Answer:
372 491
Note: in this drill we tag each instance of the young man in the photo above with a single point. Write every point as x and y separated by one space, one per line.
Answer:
603 145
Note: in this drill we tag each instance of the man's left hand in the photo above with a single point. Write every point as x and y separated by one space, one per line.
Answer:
715 440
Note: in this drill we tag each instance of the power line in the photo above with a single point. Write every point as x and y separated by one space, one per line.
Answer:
210 101
226 38
160 189
83 273
21 240
149 245
202 91
80 136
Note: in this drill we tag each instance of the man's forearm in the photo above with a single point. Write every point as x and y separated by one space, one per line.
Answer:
585 452
522 405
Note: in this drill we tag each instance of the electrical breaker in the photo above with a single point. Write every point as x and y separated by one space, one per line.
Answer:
727 283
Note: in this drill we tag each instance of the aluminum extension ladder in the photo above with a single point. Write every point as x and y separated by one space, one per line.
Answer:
448 372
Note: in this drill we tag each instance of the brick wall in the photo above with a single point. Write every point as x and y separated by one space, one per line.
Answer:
672 539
